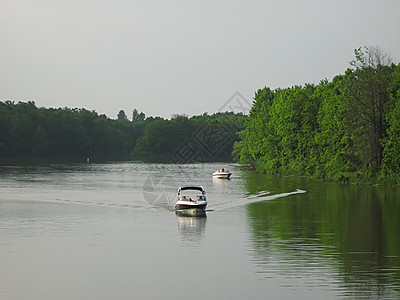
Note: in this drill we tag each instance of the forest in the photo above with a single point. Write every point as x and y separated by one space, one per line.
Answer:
346 130
29 132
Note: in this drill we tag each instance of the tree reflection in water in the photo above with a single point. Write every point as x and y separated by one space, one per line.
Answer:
333 235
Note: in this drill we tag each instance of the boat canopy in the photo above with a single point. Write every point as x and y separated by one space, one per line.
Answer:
192 187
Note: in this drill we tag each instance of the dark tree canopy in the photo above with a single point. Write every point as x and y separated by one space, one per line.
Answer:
122 116
29 131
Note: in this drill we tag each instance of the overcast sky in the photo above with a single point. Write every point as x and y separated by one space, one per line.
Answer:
180 57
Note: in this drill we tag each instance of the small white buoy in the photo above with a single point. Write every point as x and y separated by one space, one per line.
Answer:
87 159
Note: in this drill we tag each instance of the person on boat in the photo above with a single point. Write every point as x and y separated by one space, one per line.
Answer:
222 170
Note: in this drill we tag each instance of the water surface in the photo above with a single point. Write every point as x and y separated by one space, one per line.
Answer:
108 231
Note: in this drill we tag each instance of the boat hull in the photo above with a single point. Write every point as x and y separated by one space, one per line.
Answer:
183 206
191 212
222 175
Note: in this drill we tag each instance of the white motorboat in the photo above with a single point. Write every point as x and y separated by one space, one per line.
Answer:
191 197
223 173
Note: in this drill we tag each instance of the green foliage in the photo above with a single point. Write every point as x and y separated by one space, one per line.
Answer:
137 116
344 130
122 116
28 131
197 139
391 153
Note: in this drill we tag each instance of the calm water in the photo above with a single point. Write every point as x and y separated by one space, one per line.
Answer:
107 231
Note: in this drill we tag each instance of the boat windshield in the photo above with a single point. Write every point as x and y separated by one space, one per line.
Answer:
192 195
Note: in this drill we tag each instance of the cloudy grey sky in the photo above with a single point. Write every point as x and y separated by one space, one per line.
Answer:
169 57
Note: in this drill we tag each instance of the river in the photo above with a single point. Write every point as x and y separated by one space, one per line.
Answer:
108 231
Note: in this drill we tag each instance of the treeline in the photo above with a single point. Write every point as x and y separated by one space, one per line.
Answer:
27 131
346 130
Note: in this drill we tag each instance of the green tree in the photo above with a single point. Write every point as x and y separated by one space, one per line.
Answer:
342 130
258 134
370 103
137 116
391 153
122 116
337 158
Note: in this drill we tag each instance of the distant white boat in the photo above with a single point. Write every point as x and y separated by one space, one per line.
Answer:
191 198
223 173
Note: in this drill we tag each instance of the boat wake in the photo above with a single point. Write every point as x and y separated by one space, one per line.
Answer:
259 197
139 203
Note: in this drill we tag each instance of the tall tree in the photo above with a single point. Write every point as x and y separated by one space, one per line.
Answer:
391 153
334 141
259 135
137 116
368 90
122 116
